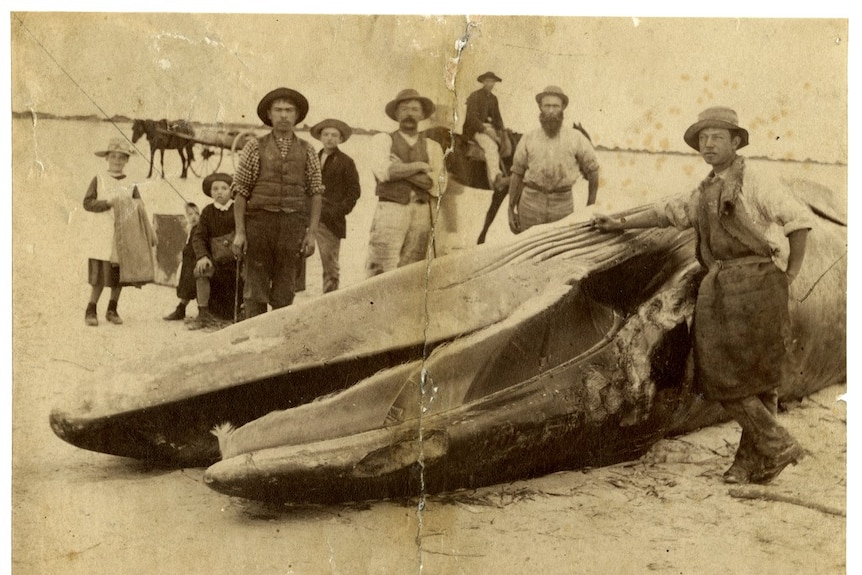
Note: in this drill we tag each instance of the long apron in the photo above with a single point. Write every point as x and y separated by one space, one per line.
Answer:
741 320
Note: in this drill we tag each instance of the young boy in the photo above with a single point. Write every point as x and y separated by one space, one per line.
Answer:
186 287
341 183
119 238
216 271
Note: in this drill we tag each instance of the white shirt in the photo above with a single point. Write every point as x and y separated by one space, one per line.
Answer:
381 159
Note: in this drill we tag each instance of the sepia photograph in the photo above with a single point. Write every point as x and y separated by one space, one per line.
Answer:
414 293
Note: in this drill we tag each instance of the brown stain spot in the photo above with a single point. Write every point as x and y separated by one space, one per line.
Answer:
664 143
806 86
550 27
659 163
659 126
626 183
675 110
689 170
735 85
684 77
647 141
706 77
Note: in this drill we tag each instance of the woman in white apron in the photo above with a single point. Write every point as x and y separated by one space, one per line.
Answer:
118 238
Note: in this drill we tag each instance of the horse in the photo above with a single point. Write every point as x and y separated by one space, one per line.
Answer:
161 136
466 165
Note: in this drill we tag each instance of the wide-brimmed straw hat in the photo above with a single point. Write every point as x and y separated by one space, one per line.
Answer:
207 184
342 128
116 145
282 94
715 117
553 91
489 76
409 94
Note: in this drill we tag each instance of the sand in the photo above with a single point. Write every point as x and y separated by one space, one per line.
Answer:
80 512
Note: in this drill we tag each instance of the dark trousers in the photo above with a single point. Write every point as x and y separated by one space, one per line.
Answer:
762 436
272 258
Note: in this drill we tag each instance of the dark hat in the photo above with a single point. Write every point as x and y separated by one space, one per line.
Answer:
409 94
489 76
343 128
553 91
116 145
282 94
215 177
715 117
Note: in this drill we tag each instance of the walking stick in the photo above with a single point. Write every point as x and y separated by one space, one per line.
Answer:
236 291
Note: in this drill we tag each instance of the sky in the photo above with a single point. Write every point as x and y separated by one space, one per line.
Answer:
633 82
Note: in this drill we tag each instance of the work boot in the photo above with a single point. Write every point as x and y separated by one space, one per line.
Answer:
90 317
791 454
177 314
111 315
204 320
738 474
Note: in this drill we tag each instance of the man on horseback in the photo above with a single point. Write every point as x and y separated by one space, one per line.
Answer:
547 164
484 124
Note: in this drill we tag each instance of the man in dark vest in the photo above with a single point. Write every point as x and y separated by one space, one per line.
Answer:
408 168
278 190
484 124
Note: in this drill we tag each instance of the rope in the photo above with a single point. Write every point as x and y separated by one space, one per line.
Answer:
81 89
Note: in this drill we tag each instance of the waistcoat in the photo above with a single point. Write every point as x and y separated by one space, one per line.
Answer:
399 190
280 184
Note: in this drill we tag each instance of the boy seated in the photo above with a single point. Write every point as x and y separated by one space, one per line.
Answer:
217 278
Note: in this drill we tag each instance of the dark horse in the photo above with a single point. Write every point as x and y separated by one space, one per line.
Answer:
466 164
161 135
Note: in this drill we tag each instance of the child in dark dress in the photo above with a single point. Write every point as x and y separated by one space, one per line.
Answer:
186 289
216 270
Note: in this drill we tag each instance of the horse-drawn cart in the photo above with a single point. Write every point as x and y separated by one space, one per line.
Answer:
184 136
212 141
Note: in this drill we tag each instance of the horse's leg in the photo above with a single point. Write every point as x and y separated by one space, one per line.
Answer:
183 161
162 152
496 201
152 157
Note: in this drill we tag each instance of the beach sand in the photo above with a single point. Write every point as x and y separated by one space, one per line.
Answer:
78 512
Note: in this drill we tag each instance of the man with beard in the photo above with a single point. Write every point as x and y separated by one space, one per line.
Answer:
278 190
408 168
484 124
547 163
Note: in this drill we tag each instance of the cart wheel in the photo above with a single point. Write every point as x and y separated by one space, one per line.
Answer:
208 161
237 145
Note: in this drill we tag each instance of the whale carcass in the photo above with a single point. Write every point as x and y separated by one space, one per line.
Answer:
561 348
586 372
